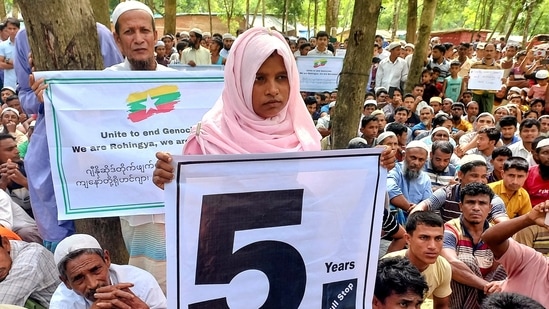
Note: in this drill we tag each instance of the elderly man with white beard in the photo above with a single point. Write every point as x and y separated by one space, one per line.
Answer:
407 183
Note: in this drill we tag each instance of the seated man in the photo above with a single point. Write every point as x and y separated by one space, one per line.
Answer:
12 169
14 218
424 235
474 272
447 199
528 270
398 285
407 183
438 167
89 278
27 271
510 190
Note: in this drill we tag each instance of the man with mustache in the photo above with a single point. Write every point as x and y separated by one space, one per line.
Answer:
90 280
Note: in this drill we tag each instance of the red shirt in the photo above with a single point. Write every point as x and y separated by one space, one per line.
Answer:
536 186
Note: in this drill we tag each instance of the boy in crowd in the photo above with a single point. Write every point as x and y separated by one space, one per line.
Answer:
499 156
510 190
508 128
452 86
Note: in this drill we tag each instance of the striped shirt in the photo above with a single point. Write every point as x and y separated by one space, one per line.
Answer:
439 179
447 199
456 237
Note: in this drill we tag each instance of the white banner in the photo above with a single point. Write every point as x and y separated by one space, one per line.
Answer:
317 73
481 79
289 230
105 127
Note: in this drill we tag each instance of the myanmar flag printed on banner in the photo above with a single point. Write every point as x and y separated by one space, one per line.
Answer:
142 105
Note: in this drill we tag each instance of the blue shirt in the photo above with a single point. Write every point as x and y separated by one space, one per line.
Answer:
414 190
7 50
37 161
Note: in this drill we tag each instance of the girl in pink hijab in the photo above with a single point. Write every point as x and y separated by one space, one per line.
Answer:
260 109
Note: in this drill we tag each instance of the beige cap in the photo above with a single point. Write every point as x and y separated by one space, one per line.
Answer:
74 243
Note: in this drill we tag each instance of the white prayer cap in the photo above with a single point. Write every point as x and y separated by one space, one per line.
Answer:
471 158
410 45
74 243
10 109
370 102
196 31
435 130
159 43
228 36
125 6
544 142
393 46
8 88
418 144
384 135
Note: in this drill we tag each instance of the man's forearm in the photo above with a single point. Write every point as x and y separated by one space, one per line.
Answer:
401 202
506 229
463 274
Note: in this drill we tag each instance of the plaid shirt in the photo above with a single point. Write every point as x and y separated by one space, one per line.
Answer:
33 275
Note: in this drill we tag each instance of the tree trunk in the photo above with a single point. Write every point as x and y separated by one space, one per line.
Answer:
475 22
169 16
101 12
355 72
527 23
411 22
513 23
536 23
309 20
15 9
396 16
496 27
2 10
315 19
487 24
255 14
247 13
210 15
263 12
420 53
284 10
58 47
332 12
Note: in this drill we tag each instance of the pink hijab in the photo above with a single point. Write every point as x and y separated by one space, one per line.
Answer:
232 126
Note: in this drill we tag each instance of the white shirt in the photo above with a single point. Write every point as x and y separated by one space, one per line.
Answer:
125 66
518 150
144 286
12 216
391 74
316 52
7 50
200 56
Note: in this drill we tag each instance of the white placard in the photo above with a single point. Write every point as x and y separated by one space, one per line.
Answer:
318 73
481 79
105 127
289 230
340 52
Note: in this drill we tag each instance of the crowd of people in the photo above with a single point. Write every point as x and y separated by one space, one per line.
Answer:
468 169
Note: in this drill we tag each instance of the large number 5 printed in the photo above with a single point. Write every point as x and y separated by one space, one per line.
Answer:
224 214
